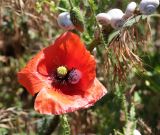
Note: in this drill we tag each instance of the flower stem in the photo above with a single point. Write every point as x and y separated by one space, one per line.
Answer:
91 4
71 4
125 107
65 125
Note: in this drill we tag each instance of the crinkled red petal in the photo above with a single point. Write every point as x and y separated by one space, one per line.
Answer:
68 50
30 78
53 101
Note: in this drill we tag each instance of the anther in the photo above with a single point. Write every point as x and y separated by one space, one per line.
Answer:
62 71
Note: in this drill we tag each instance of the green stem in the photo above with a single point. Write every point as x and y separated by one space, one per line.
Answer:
71 4
99 29
65 125
93 44
125 107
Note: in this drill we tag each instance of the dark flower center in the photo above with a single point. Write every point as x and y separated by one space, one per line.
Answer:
63 76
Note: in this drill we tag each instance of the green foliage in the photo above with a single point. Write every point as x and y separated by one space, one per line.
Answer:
64 4
41 3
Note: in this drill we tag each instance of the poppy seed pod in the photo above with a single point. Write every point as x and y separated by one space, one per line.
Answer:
103 18
64 21
117 19
131 7
147 7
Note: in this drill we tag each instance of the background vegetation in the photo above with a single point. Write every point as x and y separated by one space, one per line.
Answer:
26 26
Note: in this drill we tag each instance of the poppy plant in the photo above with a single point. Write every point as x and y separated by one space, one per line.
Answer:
64 76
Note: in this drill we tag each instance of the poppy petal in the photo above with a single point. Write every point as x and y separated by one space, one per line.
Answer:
98 91
30 78
52 101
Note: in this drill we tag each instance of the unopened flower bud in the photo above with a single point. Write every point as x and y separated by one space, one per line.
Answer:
77 19
103 18
131 7
147 7
117 19
64 21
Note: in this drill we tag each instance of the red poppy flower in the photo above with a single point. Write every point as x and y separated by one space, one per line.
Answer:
64 77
